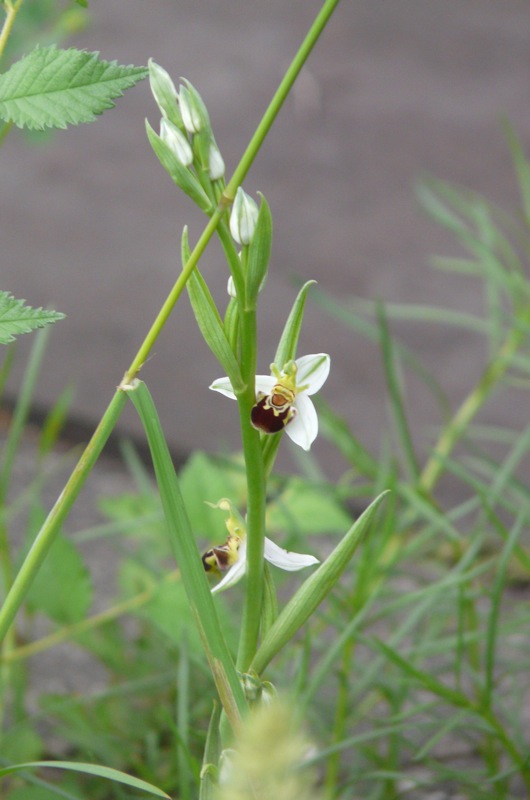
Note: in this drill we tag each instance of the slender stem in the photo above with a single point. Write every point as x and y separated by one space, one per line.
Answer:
89 623
12 10
59 512
173 296
469 408
65 501
279 98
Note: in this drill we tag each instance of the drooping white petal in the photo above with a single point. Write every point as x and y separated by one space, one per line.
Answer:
303 429
224 386
291 562
312 371
236 571
265 384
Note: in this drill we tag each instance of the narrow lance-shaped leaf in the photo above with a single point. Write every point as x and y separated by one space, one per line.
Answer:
397 402
53 88
212 752
209 321
89 769
314 590
286 350
17 318
188 558
259 251
522 167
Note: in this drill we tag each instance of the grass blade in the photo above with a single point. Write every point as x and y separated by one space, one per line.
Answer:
188 558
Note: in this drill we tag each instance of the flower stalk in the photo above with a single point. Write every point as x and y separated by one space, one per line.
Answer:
62 507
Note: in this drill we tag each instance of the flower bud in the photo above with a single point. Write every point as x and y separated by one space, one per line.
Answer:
175 139
216 163
164 91
243 217
194 113
231 287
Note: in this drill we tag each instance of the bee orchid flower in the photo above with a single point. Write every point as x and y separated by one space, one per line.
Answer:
230 558
283 398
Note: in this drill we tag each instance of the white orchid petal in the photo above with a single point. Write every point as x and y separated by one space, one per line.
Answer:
303 429
236 571
224 386
265 383
312 371
291 562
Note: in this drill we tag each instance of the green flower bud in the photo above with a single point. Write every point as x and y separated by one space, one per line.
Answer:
243 217
164 92
194 113
177 141
216 163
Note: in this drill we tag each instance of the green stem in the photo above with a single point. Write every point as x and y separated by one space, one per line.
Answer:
469 408
277 101
12 10
65 501
256 490
59 512
89 623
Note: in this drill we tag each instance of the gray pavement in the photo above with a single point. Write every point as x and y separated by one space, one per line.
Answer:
91 223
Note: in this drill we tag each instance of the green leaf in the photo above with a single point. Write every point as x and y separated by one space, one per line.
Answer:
53 88
259 252
203 481
62 589
20 742
168 611
202 607
522 167
286 350
306 509
17 318
212 753
89 769
314 590
396 394
210 322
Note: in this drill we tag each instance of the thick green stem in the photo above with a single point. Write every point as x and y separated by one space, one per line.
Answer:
256 489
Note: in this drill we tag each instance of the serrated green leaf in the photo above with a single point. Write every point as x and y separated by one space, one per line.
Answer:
62 589
17 318
53 88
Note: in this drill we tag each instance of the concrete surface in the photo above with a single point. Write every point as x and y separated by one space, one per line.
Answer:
395 88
